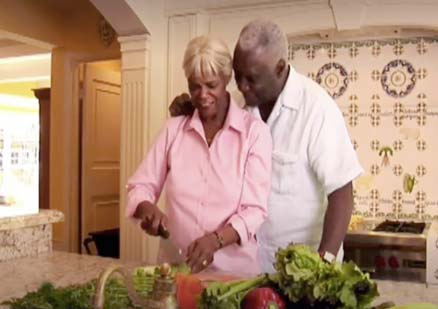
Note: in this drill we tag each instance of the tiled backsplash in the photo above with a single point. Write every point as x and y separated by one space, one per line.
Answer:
388 93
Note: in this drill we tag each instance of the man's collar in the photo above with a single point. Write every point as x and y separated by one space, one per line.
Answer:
291 93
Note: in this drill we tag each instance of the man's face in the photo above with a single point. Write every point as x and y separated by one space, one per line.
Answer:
255 76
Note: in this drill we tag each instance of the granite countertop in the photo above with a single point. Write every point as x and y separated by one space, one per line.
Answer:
44 216
23 275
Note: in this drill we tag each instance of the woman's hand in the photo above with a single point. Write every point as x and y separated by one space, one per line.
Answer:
200 253
152 220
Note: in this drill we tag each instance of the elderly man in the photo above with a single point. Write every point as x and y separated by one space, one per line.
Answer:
313 161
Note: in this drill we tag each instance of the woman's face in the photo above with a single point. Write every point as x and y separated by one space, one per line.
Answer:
208 93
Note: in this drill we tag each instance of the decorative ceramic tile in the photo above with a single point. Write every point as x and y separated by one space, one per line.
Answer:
375 75
409 183
421 47
398 48
375 169
398 145
397 202
355 144
421 170
397 170
353 114
331 52
420 203
398 114
376 49
421 114
386 154
334 78
353 99
375 114
387 92
421 73
354 51
421 145
374 196
398 78
311 53
375 145
290 53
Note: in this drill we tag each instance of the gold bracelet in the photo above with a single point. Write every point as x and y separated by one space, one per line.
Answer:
219 238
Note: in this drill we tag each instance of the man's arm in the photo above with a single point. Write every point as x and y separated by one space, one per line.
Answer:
337 218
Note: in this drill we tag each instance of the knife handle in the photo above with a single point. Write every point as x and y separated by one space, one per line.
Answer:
163 232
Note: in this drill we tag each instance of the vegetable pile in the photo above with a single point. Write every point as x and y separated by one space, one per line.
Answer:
80 296
304 279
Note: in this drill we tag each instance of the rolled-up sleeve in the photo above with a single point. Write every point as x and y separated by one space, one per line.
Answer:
147 182
252 211
331 153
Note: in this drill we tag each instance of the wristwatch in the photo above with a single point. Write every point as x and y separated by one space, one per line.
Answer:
328 256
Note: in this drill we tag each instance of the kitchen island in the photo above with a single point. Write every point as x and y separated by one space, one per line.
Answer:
23 275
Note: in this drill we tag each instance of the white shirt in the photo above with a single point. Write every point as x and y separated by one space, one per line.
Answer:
312 157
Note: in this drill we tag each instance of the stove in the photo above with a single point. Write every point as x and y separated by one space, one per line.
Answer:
400 227
396 250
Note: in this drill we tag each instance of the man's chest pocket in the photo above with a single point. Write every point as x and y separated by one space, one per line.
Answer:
284 172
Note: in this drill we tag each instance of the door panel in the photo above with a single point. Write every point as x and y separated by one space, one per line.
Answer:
100 150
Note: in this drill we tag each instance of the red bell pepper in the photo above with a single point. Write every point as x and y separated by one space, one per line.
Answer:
263 298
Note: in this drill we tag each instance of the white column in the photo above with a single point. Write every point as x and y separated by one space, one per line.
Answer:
134 126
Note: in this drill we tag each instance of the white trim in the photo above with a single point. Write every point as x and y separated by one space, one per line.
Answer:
25 79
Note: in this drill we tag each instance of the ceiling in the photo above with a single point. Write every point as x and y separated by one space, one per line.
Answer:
17 68
13 48
12 45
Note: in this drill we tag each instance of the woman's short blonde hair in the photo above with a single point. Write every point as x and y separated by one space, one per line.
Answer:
206 56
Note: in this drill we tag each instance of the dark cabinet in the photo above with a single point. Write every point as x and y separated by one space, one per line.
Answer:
43 95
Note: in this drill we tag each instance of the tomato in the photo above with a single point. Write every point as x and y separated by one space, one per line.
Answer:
188 289
263 298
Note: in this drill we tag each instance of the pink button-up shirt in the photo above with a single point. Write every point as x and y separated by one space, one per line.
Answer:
208 187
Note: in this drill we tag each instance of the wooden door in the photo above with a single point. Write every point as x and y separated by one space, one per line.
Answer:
100 150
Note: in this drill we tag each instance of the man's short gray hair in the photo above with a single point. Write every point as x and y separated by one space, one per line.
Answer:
264 34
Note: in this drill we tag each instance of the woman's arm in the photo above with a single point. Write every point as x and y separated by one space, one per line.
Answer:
146 184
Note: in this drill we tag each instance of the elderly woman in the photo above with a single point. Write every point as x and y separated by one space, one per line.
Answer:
216 165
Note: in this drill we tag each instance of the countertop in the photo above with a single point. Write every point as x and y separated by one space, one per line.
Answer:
23 275
44 216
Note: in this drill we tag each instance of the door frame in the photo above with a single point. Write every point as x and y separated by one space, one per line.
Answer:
72 239
82 84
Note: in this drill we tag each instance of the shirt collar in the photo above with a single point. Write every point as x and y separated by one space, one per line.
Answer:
234 119
290 96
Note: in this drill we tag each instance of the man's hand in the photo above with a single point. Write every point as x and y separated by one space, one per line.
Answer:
152 220
336 220
200 253
181 106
